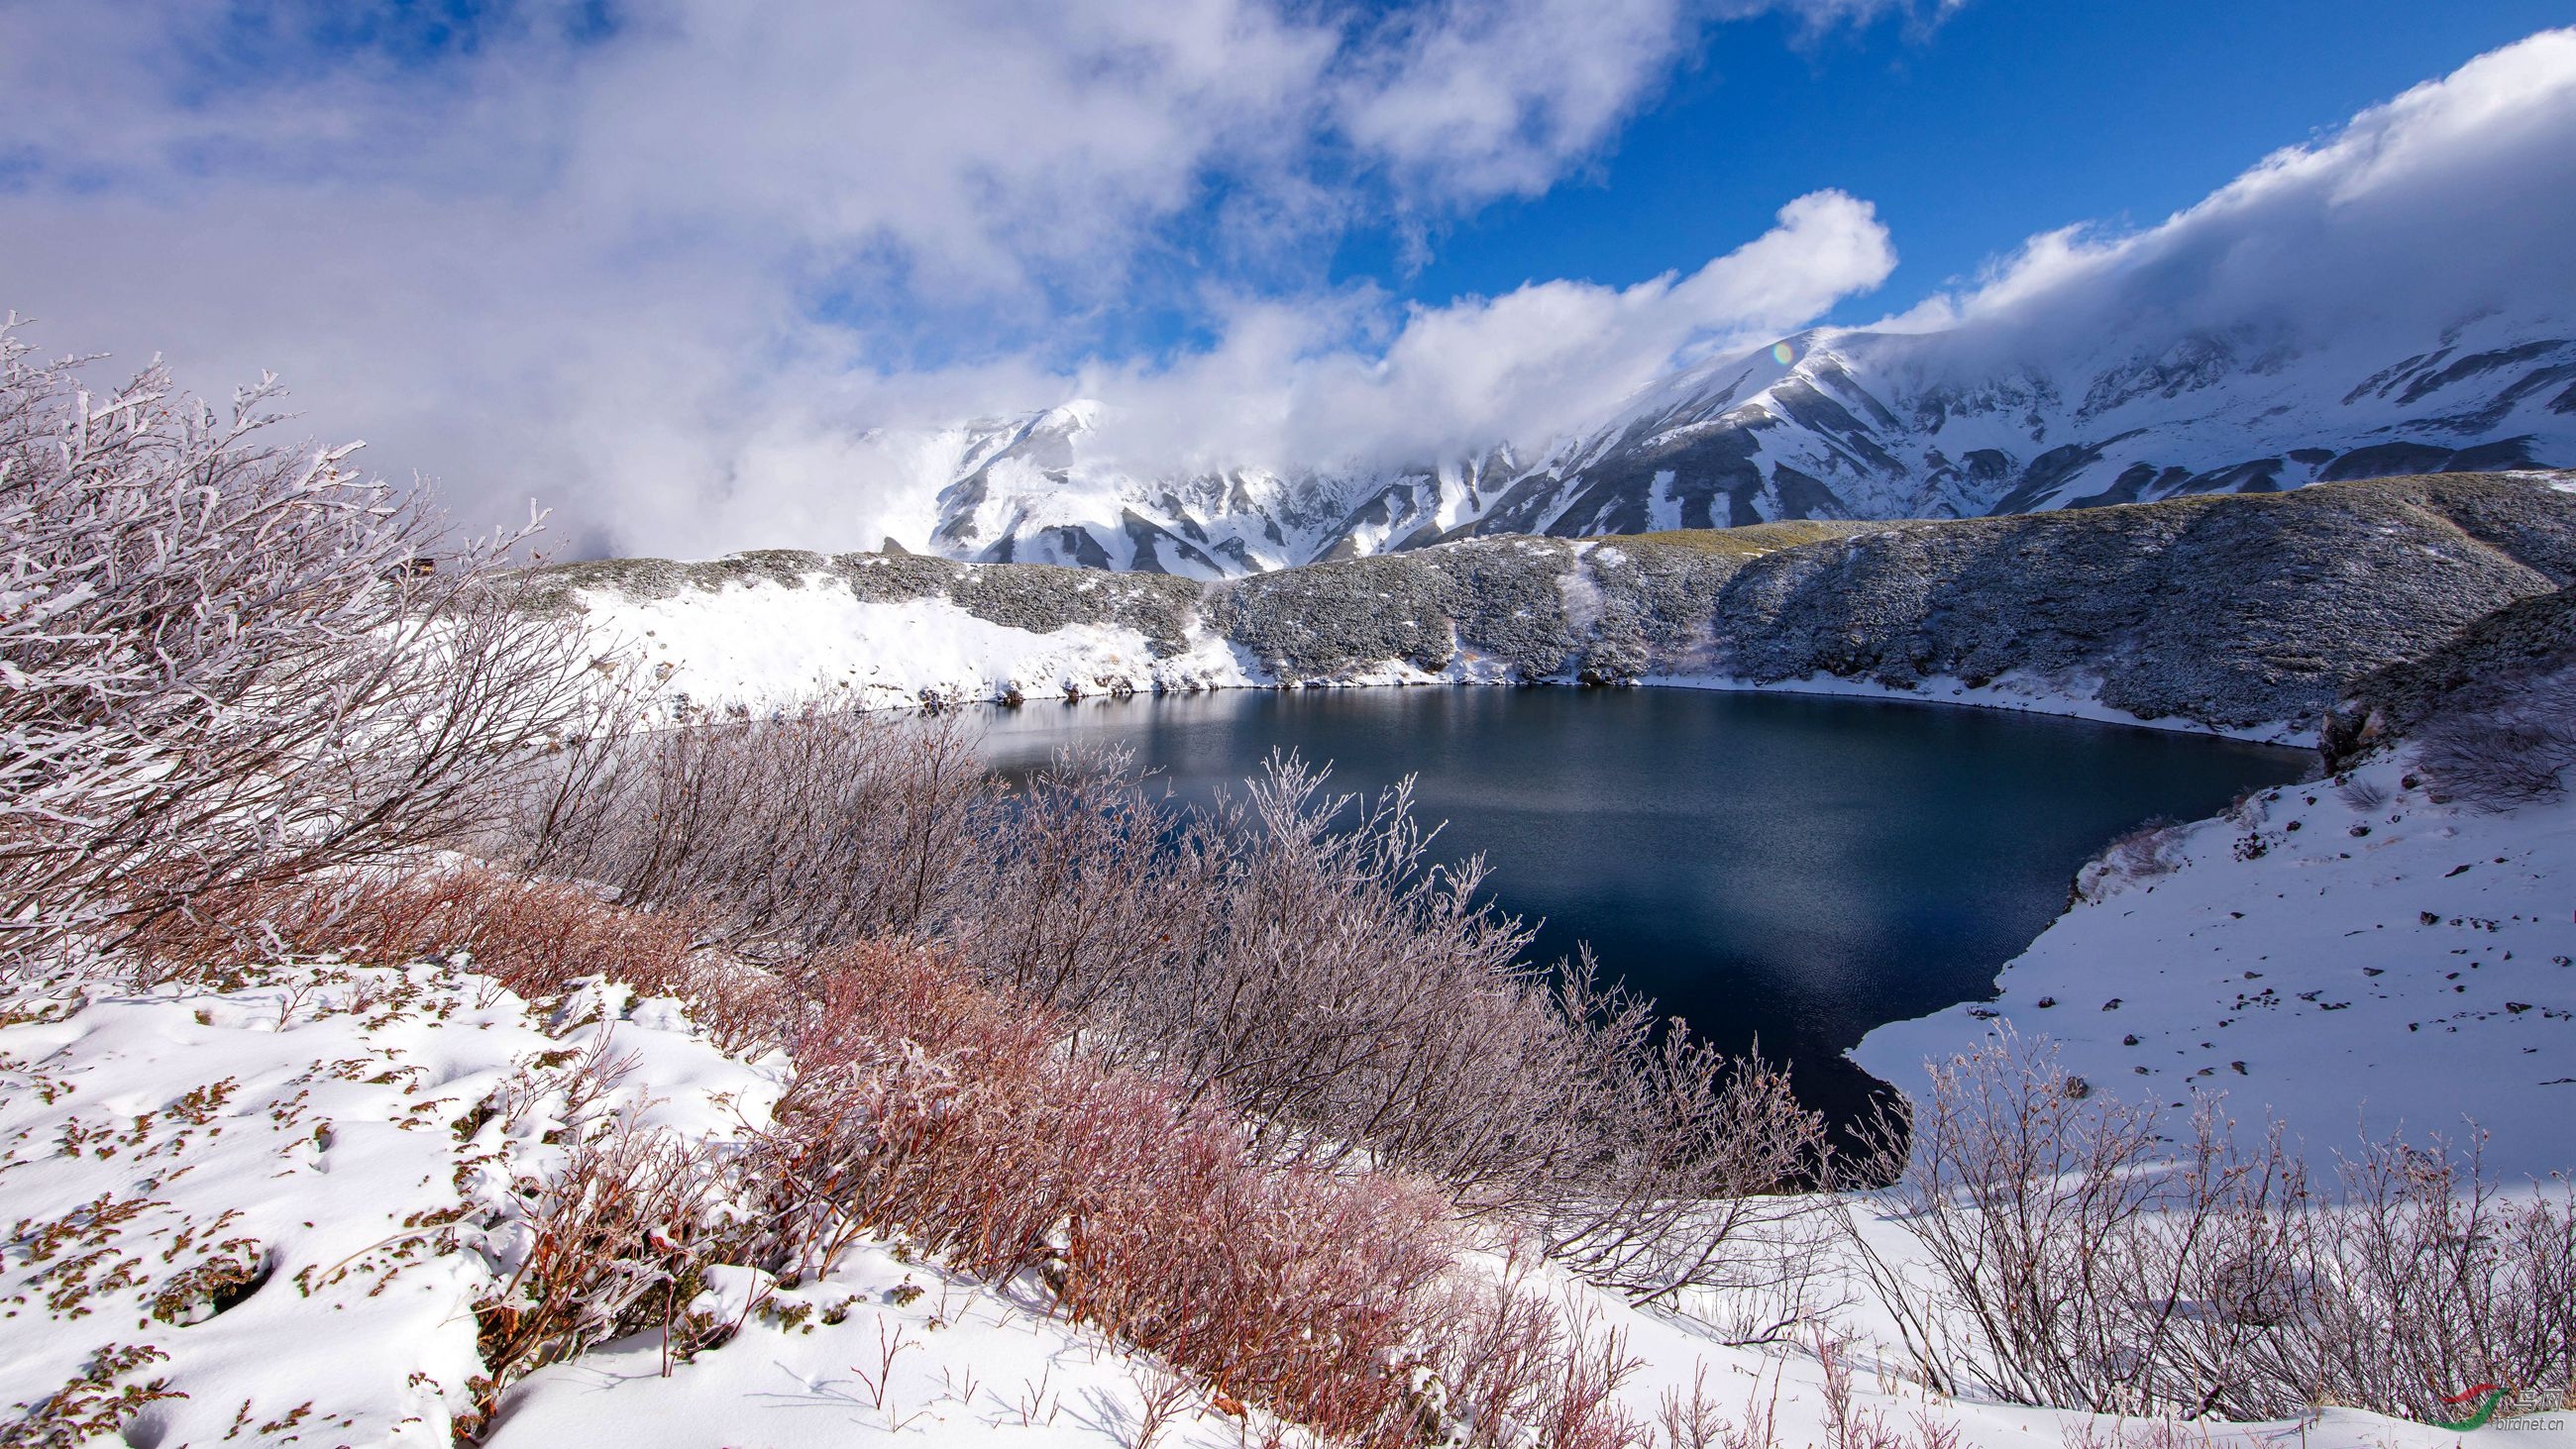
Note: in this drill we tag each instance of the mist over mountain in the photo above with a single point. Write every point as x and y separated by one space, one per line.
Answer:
2393 298
1854 425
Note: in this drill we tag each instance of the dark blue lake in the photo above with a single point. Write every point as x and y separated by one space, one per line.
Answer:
1796 869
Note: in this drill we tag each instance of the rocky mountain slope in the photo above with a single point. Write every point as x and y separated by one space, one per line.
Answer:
1829 424
2249 612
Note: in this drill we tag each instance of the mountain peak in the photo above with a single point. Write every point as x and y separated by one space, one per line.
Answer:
1830 423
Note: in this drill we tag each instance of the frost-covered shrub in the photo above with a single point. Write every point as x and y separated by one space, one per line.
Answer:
2511 745
617 1241
1670 590
1616 655
1326 619
2083 1253
892 578
1294 956
536 937
1297 956
927 1105
810 828
1510 601
230 661
2151 850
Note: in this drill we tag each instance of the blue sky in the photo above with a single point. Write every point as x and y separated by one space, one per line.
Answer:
2008 118
693 271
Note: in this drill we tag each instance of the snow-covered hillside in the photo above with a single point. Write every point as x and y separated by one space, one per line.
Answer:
1831 423
2351 961
267 1212
1032 489
264 1214
2245 615
762 646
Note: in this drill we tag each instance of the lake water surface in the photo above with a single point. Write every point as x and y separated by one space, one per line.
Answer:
1797 869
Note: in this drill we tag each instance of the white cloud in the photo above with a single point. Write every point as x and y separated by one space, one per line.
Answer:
1286 388
662 276
2455 199
1481 99
665 277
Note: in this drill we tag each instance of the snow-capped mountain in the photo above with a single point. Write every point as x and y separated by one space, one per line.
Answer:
1831 423
1024 492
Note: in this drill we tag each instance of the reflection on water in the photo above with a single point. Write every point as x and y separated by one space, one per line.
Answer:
1793 869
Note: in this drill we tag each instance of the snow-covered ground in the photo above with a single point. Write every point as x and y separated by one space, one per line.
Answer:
283 1200
310 1139
760 645
361 1140
2353 960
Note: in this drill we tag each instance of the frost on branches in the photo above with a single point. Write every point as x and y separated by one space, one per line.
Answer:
223 660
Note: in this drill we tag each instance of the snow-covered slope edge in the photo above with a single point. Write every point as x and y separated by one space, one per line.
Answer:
2353 960
2391 949
753 647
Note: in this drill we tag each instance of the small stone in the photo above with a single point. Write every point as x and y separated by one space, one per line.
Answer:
2111 1005
2130 1040
2047 1001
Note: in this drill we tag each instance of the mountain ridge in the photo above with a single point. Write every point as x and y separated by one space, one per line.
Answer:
2230 613
1831 423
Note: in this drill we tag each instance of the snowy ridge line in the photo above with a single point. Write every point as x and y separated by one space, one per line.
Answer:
1831 423
2246 617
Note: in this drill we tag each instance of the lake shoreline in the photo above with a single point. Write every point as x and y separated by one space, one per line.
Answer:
1789 869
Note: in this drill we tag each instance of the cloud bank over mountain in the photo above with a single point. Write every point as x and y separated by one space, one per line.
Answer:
691 273
2451 201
